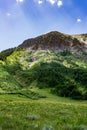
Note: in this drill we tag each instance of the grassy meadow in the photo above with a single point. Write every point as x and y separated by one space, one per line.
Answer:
18 112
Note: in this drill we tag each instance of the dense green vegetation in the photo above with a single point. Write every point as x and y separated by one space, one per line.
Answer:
6 53
62 71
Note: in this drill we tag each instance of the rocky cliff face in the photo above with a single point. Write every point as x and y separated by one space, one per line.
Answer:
57 41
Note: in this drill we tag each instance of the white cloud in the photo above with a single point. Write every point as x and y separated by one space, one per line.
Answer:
19 1
52 1
79 20
8 14
40 1
59 3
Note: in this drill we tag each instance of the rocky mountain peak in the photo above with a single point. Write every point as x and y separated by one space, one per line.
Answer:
55 41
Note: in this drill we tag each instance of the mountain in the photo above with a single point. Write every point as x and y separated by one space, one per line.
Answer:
54 60
57 41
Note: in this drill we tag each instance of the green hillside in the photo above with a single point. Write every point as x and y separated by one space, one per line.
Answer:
65 73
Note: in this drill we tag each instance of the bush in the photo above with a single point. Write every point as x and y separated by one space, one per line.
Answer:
4 54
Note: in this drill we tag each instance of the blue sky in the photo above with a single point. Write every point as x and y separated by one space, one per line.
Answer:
23 19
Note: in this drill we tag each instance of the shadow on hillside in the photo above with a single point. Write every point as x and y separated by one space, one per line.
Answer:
63 81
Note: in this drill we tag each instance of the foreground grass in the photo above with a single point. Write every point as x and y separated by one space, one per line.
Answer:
20 113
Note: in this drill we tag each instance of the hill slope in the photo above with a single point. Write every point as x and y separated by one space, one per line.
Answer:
56 61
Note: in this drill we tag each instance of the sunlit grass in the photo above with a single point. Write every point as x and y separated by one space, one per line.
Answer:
18 112
51 114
